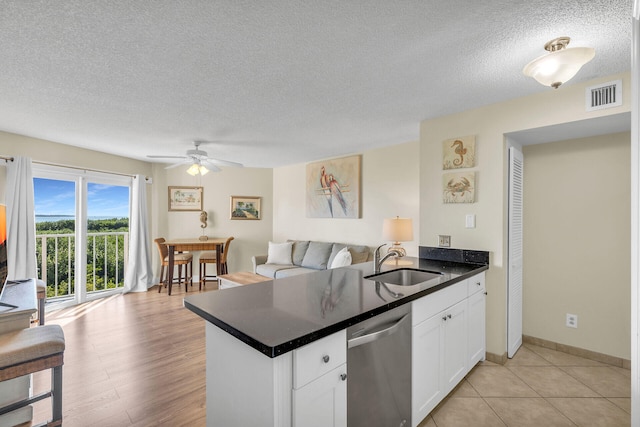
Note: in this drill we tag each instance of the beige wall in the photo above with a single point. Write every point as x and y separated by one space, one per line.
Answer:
489 124
390 187
59 154
250 235
576 242
46 151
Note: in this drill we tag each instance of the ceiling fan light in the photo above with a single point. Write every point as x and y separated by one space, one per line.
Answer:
194 169
559 66
203 170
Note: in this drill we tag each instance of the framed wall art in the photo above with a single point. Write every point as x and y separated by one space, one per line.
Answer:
333 188
459 152
245 207
185 198
459 187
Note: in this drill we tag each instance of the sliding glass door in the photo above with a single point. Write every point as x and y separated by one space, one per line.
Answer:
82 233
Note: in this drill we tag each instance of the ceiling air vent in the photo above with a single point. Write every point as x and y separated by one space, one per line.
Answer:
605 95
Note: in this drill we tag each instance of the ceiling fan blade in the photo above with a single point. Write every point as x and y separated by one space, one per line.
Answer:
207 164
166 157
175 165
225 163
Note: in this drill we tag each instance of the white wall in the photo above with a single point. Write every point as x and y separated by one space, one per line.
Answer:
490 124
576 242
390 187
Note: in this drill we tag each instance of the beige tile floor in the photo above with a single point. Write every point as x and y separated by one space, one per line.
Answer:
538 387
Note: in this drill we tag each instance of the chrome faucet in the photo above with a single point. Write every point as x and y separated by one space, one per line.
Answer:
377 262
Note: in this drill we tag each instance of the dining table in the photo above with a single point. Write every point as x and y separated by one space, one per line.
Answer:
193 245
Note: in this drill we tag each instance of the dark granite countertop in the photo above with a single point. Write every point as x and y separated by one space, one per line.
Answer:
278 316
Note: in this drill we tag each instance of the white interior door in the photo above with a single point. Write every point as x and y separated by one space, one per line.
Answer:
514 267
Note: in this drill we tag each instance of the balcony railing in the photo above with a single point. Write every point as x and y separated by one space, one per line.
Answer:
107 255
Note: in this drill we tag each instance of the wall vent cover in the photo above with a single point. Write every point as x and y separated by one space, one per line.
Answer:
605 95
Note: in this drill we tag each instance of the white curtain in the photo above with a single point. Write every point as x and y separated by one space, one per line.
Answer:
139 276
21 222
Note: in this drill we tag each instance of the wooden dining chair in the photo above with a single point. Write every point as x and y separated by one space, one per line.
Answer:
209 257
179 260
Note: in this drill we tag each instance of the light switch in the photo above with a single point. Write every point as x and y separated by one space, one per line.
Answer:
471 221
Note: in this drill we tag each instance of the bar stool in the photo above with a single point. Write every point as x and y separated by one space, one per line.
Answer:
31 350
209 257
181 259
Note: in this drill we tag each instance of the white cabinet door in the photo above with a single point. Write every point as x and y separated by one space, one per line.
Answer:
426 364
455 345
477 320
322 402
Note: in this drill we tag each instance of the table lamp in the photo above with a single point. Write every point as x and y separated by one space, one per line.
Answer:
397 230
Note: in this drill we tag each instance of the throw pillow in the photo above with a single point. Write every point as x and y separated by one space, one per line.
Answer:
359 254
317 255
299 249
342 259
279 253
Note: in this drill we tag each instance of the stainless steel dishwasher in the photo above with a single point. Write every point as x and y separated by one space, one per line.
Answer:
379 365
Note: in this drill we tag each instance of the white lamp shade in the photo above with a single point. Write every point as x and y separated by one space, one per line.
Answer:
556 68
397 229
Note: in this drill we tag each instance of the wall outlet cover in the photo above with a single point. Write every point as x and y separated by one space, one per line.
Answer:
444 241
572 320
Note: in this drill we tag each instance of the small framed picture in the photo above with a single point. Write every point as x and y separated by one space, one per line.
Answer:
245 207
185 198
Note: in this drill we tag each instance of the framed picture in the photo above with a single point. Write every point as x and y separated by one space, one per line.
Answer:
459 187
459 152
245 207
333 188
185 198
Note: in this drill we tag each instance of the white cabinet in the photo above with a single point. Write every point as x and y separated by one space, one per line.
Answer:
320 383
439 349
454 349
477 319
322 402
426 386
303 387
448 339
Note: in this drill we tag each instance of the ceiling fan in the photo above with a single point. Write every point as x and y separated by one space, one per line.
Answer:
199 160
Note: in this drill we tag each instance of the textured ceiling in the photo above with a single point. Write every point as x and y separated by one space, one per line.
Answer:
277 82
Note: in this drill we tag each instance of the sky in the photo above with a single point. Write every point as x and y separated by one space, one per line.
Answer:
55 197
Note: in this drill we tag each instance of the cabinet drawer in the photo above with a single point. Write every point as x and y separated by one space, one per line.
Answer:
476 284
316 359
434 303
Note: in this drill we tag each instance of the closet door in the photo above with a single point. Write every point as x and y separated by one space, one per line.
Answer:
514 286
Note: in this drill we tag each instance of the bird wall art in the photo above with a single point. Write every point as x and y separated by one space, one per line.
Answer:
333 188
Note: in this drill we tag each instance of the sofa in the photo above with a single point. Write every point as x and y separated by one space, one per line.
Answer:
296 257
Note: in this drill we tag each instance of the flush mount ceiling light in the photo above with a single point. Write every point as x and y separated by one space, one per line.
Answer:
560 64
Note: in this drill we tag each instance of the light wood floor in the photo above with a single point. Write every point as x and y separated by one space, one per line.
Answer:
131 360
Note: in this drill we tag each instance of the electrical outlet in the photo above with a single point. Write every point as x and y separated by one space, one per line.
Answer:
572 320
444 241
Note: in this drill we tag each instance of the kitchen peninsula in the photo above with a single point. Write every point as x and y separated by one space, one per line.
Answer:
277 350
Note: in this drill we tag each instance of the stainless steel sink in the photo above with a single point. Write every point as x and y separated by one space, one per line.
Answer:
404 277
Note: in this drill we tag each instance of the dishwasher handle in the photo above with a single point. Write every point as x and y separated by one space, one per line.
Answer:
374 336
